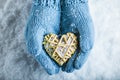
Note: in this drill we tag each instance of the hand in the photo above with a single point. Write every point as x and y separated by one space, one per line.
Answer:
76 18
44 19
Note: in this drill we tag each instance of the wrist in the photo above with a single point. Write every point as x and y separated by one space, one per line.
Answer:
46 2
51 4
72 2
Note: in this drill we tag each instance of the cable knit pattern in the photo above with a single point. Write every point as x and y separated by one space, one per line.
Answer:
76 18
40 23
48 3
72 2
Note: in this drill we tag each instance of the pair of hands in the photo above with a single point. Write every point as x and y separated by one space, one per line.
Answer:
59 17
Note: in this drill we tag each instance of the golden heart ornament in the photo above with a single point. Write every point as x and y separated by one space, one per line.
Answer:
60 49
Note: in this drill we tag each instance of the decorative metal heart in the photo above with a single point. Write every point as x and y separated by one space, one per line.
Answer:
60 49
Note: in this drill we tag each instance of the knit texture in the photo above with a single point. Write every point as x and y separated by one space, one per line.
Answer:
48 3
43 20
76 18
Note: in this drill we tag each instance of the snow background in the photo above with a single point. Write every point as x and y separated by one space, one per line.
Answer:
102 64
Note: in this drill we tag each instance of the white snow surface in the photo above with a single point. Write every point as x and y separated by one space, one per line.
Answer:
103 62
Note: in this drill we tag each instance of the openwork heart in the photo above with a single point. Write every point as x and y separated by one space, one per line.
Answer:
60 49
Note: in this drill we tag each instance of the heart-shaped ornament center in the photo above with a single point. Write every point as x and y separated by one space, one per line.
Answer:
60 49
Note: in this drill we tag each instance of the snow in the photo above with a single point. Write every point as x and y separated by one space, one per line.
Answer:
103 62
